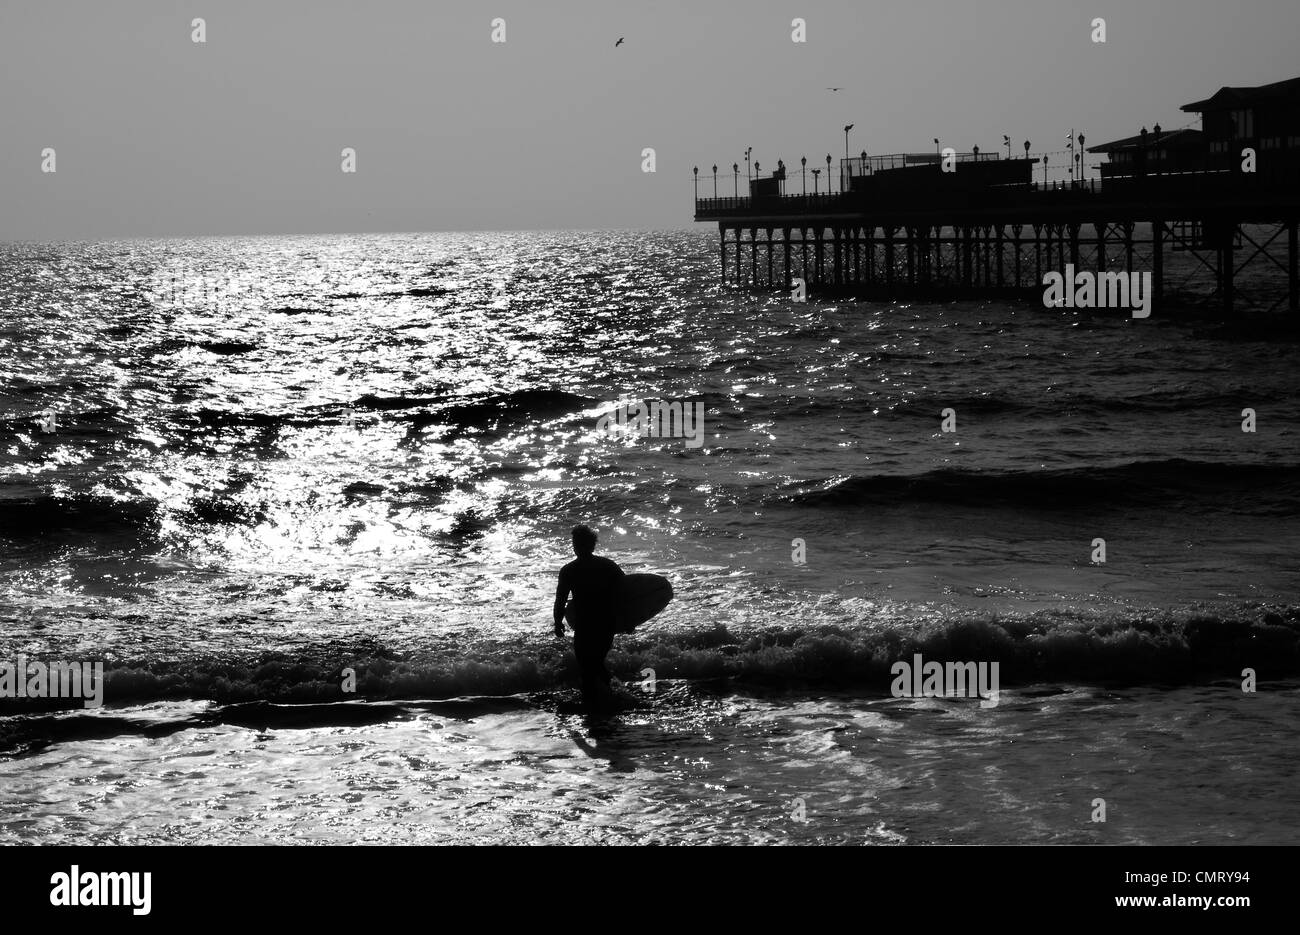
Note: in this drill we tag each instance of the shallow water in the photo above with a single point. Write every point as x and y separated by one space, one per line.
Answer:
275 458
1202 765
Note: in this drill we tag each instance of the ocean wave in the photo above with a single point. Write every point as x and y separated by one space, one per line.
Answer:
1254 488
490 413
1228 400
1046 647
39 515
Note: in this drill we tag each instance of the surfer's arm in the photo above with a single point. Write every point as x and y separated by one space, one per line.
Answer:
561 597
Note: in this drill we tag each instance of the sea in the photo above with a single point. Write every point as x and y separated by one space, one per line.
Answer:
305 499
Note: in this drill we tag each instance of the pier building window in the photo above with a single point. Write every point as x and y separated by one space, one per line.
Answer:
1243 124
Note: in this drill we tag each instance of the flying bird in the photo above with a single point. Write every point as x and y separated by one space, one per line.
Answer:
619 43
834 89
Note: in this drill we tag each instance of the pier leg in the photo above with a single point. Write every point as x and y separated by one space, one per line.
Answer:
770 280
1074 250
722 249
966 265
1227 264
839 255
986 242
753 256
998 247
1099 227
818 265
1016 230
803 252
1038 254
1293 267
1157 264
870 248
911 256
889 257
785 241
1128 246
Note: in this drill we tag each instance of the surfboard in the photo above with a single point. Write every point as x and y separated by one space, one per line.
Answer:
642 597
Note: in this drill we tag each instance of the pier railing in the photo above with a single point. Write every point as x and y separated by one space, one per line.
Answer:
1192 187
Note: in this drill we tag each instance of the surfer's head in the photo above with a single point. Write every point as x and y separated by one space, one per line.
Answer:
584 540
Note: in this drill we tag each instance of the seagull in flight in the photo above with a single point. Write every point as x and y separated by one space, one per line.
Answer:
619 43
834 89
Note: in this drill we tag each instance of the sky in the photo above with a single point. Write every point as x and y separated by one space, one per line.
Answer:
157 135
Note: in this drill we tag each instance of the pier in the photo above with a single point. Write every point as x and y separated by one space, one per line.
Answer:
974 225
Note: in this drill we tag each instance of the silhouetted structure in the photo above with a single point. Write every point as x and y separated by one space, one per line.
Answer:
901 224
1266 119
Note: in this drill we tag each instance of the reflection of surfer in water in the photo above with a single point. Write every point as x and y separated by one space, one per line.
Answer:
594 581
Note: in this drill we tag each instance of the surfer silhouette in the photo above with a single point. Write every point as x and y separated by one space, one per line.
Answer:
594 582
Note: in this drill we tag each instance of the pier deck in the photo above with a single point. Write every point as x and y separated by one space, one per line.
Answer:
945 240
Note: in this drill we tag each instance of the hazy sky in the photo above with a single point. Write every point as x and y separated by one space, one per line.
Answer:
157 135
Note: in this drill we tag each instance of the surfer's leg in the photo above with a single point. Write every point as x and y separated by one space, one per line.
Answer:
588 663
605 644
590 645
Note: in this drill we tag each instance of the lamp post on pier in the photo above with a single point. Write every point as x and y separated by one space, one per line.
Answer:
1083 165
816 173
715 181
735 179
695 171
847 128
747 152
803 172
828 173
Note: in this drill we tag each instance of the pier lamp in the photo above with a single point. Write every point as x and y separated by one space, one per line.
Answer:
747 152
976 151
735 179
758 170
803 161
715 180
1044 171
937 147
1006 141
1083 165
828 173
847 128
695 171
1026 149
1155 131
816 173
